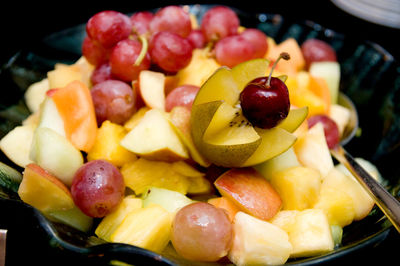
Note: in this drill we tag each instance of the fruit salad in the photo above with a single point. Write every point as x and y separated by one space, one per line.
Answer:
198 139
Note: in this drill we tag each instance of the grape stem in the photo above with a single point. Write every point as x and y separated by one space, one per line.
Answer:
283 55
143 51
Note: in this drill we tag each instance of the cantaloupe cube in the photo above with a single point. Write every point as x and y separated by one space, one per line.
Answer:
148 228
298 187
296 62
107 145
111 222
258 242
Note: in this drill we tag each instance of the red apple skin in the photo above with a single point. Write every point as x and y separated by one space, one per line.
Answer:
250 191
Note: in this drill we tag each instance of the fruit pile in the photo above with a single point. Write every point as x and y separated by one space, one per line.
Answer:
203 139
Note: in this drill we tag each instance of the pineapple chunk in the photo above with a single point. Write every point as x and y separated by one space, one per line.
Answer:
111 222
312 151
363 203
298 187
148 228
337 204
258 242
134 120
179 176
107 145
309 231
142 174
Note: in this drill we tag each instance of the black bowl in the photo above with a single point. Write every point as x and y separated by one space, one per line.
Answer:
370 76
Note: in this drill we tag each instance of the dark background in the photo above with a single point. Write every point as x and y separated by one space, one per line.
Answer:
23 24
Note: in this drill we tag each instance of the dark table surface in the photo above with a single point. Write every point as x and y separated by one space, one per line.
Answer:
25 23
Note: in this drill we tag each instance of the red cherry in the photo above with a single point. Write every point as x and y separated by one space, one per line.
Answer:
265 101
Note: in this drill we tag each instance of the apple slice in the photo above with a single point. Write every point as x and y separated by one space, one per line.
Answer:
154 138
312 151
55 154
43 190
250 191
151 86
180 121
16 144
35 94
49 116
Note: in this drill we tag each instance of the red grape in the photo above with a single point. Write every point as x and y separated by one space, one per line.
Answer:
173 19
101 73
181 96
201 232
123 58
265 105
197 39
170 51
94 53
109 27
141 22
315 50
331 129
258 39
114 100
233 50
219 22
97 188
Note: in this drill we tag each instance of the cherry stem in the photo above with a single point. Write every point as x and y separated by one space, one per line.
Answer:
143 51
283 55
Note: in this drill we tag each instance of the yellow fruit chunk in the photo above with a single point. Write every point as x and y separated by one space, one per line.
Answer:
62 75
298 187
148 228
309 231
337 204
142 174
43 190
107 145
134 120
258 242
111 222
200 68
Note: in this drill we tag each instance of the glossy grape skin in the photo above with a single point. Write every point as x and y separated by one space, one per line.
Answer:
101 73
141 22
331 130
181 96
123 58
265 107
197 39
315 50
233 50
109 27
201 232
94 53
173 19
113 100
219 22
258 39
97 188
170 51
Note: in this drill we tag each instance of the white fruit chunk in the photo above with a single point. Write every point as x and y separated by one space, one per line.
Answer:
55 154
35 94
258 242
16 144
151 86
49 117
312 150
154 138
341 116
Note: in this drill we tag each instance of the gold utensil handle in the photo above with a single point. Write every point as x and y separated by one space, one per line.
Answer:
389 205
3 235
